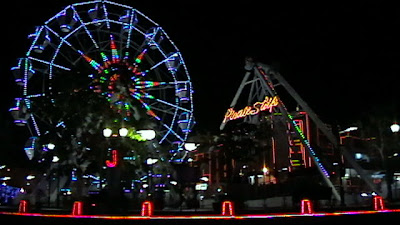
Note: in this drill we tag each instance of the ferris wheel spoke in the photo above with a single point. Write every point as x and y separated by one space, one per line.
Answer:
91 61
164 111
140 57
173 105
63 40
160 88
142 95
144 85
170 131
131 26
172 56
149 110
35 125
106 16
165 86
85 27
49 63
35 96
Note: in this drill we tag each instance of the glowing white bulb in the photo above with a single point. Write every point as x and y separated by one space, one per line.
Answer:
395 128
151 161
107 132
191 146
51 146
123 132
55 159
147 134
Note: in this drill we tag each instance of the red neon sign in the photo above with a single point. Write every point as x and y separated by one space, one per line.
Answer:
268 104
114 162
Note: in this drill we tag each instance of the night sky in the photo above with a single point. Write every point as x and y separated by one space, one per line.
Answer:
342 58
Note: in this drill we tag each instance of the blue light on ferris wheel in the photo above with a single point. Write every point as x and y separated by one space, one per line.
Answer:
30 147
67 20
23 71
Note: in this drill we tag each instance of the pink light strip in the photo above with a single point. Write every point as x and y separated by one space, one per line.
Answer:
199 217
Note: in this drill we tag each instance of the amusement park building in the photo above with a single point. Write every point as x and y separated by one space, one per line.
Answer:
265 159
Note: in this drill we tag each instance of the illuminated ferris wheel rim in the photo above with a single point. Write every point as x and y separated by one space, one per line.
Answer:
181 109
99 21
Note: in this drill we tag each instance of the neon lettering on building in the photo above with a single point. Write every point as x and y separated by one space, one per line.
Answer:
268 104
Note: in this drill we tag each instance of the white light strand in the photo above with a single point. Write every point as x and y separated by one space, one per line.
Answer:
106 16
35 40
26 72
48 63
85 28
36 126
131 25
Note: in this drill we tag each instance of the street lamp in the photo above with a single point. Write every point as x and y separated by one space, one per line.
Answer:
123 132
151 161
107 132
191 146
147 134
56 159
51 146
395 128
265 170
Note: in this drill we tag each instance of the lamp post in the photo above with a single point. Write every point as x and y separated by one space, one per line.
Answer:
395 128
150 163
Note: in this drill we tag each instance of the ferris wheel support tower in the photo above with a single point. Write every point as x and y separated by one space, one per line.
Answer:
262 81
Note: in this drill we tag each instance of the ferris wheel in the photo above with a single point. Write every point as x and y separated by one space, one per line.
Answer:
114 52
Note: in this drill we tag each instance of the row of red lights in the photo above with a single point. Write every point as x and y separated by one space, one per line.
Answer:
147 212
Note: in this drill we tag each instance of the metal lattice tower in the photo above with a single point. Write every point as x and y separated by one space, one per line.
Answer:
261 81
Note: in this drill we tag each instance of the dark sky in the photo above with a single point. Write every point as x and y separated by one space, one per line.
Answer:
342 58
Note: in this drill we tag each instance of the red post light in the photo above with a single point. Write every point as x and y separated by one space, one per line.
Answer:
378 203
306 206
227 208
23 206
77 208
147 208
